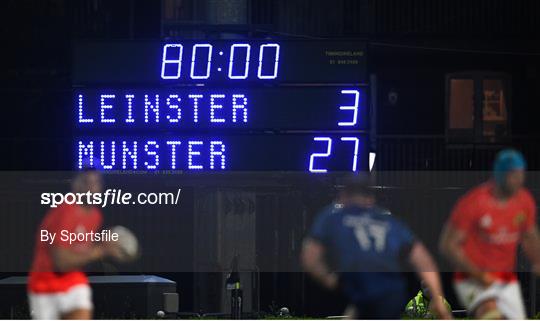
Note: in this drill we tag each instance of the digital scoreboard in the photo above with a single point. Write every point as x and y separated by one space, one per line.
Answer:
221 105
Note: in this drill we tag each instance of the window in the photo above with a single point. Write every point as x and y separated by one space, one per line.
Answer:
461 104
477 106
494 115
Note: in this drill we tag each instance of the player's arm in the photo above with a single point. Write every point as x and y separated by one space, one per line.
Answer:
530 238
427 270
451 246
462 222
313 261
530 242
66 259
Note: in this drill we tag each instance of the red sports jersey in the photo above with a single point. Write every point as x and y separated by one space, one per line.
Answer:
70 218
493 228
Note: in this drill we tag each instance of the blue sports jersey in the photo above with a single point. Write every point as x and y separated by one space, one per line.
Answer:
367 247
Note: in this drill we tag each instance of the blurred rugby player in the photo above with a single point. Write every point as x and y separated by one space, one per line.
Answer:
368 250
481 238
57 287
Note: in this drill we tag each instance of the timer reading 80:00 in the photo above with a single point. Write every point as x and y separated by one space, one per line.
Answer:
203 60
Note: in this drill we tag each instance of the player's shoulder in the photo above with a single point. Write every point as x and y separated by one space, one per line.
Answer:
329 211
400 230
60 210
482 190
94 215
525 195
68 210
383 215
477 193
58 216
394 221
373 211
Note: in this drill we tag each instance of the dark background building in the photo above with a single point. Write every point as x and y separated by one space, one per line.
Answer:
453 82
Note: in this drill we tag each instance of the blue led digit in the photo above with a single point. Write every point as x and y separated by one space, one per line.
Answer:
129 118
355 155
208 63
132 153
192 153
104 107
328 141
242 106
153 152
86 151
274 74
173 144
174 106
81 117
165 61
195 106
112 153
213 106
231 61
154 108
217 153
354 108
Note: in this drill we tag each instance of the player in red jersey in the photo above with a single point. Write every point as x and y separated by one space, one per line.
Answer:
57 288
481 239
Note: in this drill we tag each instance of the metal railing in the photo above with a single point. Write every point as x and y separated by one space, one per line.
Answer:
398 152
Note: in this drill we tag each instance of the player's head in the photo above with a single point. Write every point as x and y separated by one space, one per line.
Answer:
509 171
88 179
356 190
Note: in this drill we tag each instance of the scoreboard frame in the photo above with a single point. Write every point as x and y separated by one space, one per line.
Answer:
271 105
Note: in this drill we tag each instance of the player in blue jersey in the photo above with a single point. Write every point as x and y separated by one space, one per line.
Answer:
358 248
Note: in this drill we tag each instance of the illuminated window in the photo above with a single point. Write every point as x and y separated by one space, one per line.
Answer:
494 114
478 106
461 104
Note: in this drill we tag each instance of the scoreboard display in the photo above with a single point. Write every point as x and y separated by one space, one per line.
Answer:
221 105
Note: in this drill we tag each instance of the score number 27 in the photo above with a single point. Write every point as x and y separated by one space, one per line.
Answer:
351 140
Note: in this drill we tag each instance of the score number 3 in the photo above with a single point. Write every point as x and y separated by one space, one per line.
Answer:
328 140
354 108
